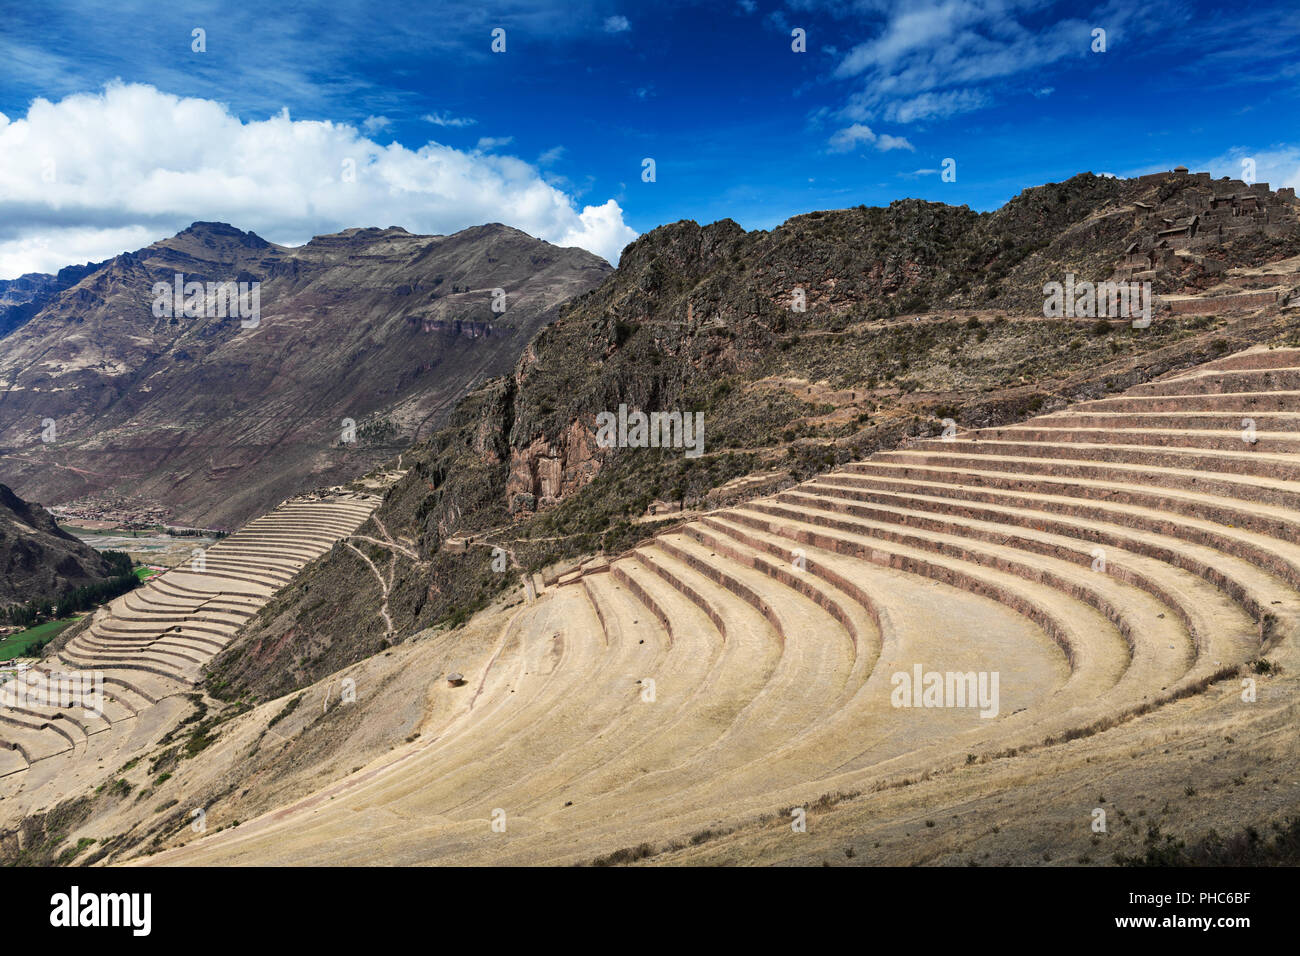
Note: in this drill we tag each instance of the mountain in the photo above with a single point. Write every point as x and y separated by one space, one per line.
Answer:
38 559
23 297
217 418
914 313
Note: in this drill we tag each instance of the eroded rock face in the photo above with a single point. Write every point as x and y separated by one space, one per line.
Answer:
216 421
473 330
542 474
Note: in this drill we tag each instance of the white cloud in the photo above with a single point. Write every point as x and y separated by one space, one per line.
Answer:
934 105
373 124
445 118
97 174
55 246
1278 165
599 227
931 59
550 156
489 143
887 142
845 140
617 24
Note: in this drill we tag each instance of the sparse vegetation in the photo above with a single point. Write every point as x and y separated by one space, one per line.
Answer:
1280 846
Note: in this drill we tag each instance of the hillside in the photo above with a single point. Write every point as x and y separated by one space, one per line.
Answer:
914 313
215 420
37 559
25 296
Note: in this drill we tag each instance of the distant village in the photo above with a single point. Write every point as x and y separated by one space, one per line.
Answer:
129 518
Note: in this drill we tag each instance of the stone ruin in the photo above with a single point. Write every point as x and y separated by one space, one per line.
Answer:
1202 216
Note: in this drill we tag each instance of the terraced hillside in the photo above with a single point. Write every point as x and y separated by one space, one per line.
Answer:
150 645
1109 563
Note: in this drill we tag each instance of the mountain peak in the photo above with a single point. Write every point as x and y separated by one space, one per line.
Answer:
212 233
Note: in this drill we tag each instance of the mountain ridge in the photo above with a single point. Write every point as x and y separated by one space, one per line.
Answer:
23 297
381 328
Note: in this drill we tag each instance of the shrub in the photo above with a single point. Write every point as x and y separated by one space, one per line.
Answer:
289 708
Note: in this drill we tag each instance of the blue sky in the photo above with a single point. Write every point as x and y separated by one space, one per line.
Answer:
116 132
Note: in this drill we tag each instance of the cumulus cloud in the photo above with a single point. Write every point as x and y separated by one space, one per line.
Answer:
847 139
96 174
887 142
599 227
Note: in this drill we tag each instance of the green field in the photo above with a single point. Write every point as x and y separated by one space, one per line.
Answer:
15 645
144 574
